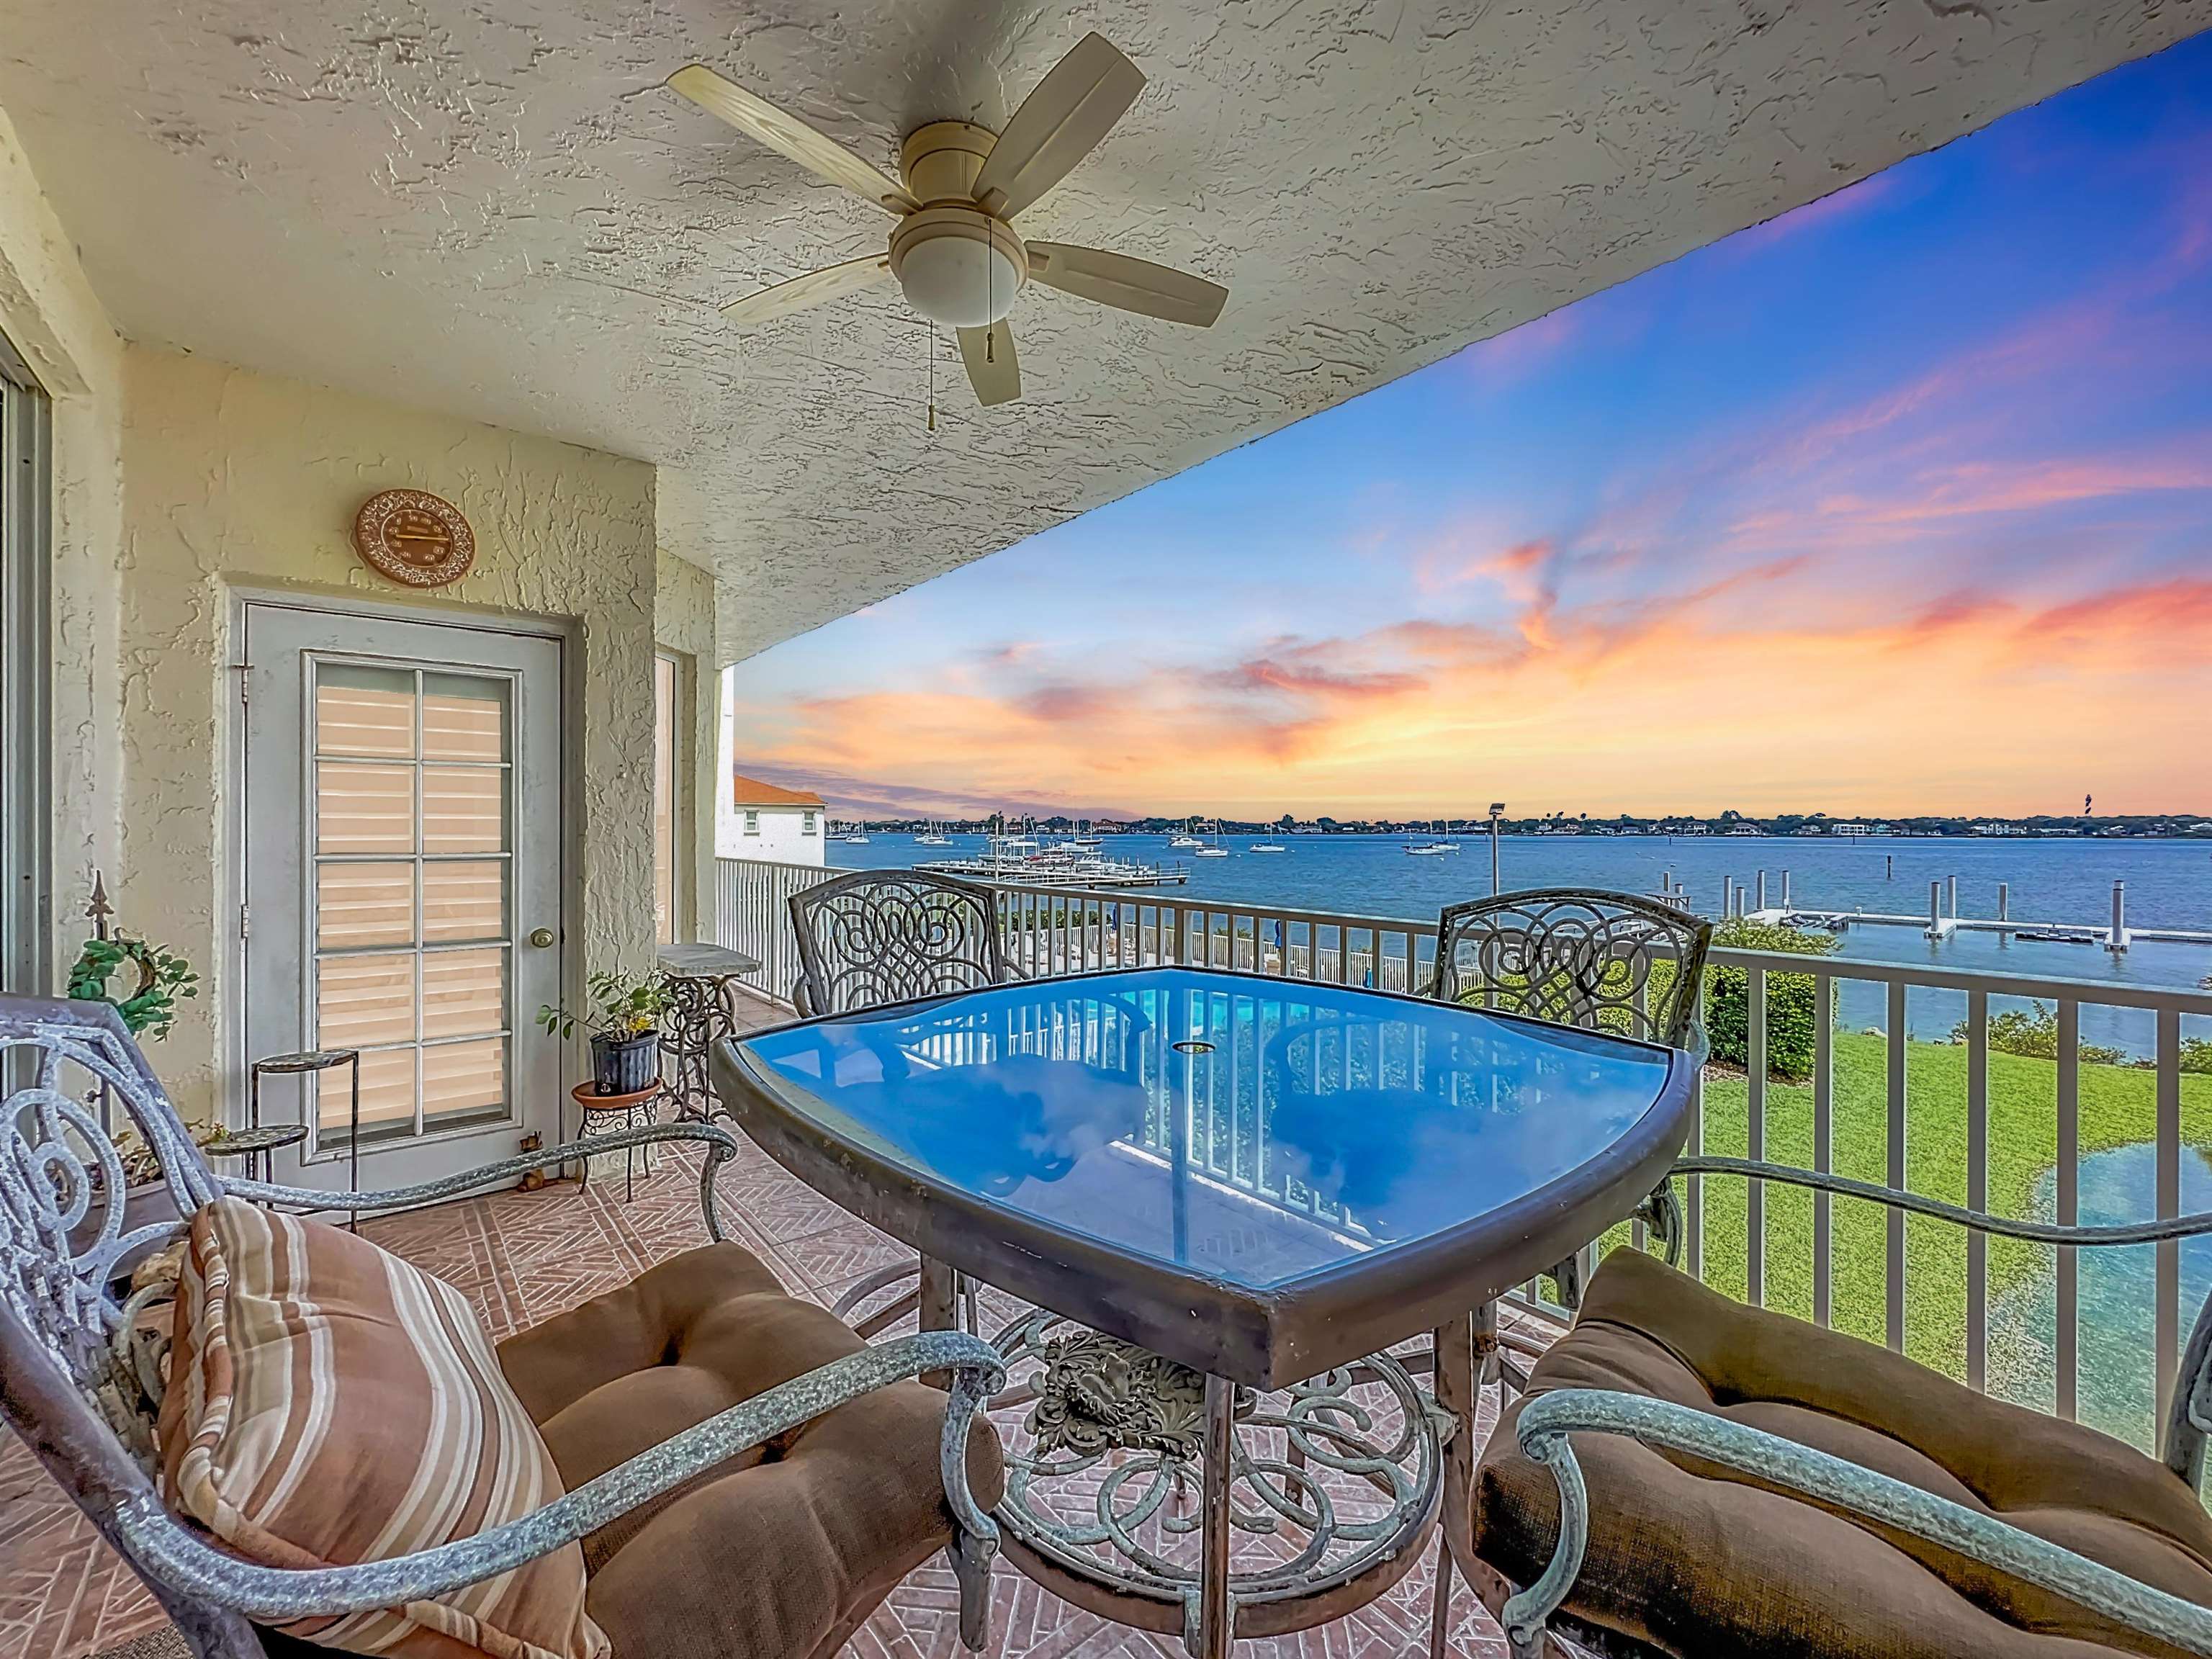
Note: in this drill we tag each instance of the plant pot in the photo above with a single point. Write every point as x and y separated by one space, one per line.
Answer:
625 1066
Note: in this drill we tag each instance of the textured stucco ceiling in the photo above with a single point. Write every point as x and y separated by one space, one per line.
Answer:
493 208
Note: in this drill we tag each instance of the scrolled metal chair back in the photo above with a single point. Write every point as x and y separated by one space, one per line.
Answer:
1579 958
878 937
62 1189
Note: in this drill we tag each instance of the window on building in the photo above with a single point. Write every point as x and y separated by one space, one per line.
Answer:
807 827
752 823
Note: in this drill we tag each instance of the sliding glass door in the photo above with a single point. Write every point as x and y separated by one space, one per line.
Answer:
26 708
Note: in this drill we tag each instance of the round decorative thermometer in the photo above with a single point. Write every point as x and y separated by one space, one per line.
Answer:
414 537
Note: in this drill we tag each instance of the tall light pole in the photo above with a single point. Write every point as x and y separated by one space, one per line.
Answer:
1497 812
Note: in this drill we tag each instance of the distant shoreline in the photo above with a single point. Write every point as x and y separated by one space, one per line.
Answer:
2178 826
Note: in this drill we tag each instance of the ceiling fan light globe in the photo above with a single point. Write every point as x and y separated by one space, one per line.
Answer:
957 266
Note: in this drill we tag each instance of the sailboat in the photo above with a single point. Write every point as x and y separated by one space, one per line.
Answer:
1442 843
1186 840
931 834
1212 846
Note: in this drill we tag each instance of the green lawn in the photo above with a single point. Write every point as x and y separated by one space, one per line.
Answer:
2118 1107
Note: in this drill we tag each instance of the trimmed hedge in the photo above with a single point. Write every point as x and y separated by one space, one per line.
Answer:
1791 1016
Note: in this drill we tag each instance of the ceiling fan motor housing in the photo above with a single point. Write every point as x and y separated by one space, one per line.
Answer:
958 264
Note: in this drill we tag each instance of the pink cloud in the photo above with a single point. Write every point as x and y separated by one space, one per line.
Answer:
1519 352
1852 199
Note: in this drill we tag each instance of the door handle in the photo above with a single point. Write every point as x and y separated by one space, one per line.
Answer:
541 937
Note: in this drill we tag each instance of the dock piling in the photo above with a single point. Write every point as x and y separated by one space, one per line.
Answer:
1938 925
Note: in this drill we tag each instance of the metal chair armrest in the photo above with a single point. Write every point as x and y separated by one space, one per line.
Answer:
182 1560
721 1144
2036 1233
2189 1420
1546 1422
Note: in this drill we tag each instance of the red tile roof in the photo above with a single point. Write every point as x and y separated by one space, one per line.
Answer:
751 791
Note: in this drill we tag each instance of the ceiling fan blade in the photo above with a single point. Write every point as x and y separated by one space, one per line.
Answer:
814 289
1127 284
992 369
787 135
1059 124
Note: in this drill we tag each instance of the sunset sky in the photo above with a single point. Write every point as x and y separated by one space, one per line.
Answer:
1902 502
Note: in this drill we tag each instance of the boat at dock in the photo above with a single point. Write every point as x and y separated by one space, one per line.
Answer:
1023 859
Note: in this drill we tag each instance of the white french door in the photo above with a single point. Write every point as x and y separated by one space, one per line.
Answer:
401 887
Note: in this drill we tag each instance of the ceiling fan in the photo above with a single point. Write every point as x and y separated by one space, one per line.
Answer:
954 252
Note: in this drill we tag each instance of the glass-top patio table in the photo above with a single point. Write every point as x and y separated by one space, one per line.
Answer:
1227 1196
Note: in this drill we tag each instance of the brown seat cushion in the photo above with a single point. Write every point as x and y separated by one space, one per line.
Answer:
778 1553
328 1404
1696 1560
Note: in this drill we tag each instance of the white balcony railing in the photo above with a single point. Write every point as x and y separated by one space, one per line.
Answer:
1925 1115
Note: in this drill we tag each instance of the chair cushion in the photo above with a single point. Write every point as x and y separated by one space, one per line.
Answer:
328 1404
1696 1559
779 1553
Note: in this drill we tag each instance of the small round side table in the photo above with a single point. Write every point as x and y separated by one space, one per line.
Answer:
263 1144
304 1063
594 1104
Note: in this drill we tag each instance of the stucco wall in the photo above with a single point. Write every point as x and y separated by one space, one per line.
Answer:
235 479
48 310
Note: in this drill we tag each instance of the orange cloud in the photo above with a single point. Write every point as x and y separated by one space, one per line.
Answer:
1674 703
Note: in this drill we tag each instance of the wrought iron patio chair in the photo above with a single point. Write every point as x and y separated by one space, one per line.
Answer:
81 1379
1586 957
877 936
1577 956
1601 961
1544 1530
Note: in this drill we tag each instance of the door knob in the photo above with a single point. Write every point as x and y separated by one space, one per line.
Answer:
541 937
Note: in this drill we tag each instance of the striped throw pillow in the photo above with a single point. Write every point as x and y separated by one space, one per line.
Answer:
328 1404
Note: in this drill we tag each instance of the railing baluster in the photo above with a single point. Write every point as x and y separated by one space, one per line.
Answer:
2069 1198
1754 1203
1824 1145
1693 1186
1977 1185
1894 1104
2166 1347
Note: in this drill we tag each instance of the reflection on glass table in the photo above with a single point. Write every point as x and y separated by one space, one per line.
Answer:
1227 1197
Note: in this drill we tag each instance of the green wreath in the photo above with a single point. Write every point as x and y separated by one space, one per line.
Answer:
163 977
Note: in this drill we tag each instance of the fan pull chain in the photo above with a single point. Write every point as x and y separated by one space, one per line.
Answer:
990 292
931 335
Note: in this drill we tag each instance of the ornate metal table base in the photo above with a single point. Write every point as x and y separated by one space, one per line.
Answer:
1333 1485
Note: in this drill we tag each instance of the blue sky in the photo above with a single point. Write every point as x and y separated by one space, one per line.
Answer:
1900 501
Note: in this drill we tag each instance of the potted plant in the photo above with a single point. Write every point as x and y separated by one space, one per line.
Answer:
624 1027
155 980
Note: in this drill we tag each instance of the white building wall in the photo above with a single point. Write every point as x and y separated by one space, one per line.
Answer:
780 835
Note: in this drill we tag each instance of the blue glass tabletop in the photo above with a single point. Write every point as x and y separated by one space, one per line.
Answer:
1250 1131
